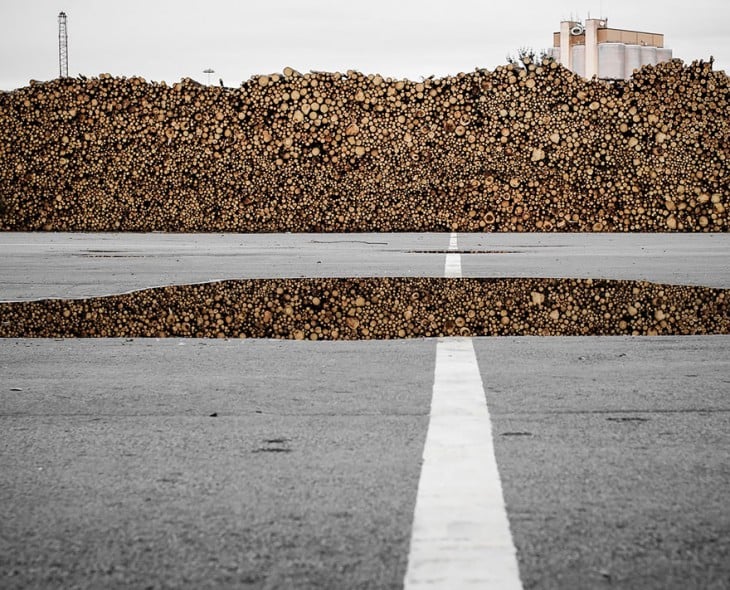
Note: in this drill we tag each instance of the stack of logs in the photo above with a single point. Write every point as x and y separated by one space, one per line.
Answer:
382 308
527 147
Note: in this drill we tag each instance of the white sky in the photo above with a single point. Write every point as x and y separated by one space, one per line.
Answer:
171 39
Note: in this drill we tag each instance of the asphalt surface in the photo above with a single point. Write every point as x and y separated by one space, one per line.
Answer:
114 472
614 455
40 265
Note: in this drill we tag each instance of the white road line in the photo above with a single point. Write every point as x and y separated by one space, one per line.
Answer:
461 536
453 259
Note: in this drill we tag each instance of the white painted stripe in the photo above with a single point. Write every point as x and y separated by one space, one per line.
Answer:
453 259
453 241
461 536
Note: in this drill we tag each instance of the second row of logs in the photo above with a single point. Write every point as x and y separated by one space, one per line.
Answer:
379 308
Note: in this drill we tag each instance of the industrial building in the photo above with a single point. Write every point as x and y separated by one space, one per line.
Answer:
594 49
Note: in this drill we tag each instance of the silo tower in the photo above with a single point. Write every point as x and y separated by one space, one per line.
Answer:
62 46
594 49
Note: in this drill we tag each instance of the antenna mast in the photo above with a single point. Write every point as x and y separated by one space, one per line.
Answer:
62 46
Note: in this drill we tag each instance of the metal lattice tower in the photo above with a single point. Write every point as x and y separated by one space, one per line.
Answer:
62 46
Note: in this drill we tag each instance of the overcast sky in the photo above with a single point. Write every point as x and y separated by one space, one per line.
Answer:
172 39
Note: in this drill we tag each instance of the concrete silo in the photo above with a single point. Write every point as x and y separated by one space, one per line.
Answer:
663 54
648 56
579 59
611 61
633 59
594 49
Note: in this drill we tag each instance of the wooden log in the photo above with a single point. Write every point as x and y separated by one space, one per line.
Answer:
330 151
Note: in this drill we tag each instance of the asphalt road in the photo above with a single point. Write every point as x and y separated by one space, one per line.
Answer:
613 453
40 265
615 458
114 472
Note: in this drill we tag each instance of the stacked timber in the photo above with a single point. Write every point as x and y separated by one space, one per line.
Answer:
383 308
527 147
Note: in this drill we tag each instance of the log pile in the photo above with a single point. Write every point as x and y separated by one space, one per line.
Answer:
382 308
527 147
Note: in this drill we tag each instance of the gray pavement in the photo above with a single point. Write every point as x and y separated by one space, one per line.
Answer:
41 265
613 453
37 265
114 473
677 259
